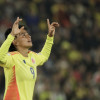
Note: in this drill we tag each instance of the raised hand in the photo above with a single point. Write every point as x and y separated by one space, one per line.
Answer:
15 28
51 28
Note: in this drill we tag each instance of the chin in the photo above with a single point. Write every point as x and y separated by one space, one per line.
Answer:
29 46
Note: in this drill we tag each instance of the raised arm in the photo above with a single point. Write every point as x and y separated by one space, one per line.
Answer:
45 53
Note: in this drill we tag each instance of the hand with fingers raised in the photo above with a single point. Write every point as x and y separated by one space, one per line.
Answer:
51 28
15 27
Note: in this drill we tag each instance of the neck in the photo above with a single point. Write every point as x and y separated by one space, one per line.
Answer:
23 51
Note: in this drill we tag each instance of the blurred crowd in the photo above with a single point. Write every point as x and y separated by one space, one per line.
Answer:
73 69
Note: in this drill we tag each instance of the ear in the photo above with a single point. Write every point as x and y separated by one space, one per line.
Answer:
15 43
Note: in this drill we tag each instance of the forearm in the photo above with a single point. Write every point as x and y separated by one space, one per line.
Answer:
47 47
5 47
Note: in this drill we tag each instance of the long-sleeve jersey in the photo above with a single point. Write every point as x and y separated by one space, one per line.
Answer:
21 72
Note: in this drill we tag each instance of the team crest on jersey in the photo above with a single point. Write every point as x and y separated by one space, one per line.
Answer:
33 61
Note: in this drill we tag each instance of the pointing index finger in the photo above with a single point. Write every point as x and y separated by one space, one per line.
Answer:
17 21
48 22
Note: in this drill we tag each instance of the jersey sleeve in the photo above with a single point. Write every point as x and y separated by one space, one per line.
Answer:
45 52
5 57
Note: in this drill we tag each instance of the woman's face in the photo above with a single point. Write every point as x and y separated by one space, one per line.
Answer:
23 40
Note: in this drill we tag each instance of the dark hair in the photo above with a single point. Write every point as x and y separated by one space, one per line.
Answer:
8 31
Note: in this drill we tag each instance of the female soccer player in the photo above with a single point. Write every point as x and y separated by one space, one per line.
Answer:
20 66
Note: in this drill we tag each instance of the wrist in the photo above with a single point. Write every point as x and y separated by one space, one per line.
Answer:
12 34
50 35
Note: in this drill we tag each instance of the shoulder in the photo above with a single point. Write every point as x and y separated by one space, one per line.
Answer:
12 53
32 52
